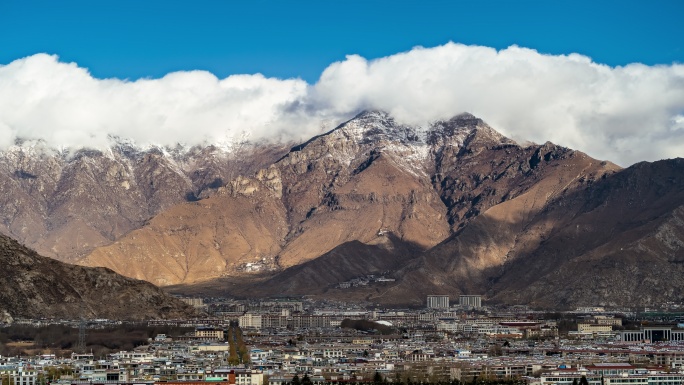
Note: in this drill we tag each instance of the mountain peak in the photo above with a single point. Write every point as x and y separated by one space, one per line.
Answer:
378 127
466 119
465 129
375 125
373 115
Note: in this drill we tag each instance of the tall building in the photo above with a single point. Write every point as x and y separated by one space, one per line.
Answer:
438 301
250 321
470 300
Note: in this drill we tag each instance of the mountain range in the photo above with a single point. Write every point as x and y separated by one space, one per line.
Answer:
452 207
66 203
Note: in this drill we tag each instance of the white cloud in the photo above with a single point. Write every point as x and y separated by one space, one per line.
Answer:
42 98
625 114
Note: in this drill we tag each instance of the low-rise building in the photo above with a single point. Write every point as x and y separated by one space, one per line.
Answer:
593 328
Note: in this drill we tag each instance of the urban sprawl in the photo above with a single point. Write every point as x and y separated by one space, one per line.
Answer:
302 342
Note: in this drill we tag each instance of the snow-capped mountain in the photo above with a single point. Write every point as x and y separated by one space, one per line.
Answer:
449 207
64 203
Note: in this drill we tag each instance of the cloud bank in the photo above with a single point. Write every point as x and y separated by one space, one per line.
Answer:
624 114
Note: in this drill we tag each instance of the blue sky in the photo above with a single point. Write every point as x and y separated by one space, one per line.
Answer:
135 39
512 63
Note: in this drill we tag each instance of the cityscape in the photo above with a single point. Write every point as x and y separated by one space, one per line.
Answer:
290 341
357 192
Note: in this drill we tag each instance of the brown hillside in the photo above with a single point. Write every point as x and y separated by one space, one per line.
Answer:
65 204
32 286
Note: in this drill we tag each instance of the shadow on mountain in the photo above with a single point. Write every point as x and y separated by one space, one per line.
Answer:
346 262
33 286
617 242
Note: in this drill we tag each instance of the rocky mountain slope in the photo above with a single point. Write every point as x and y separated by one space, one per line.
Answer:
64 204
617 241
354 263
449 208
32 286
317 197
365 179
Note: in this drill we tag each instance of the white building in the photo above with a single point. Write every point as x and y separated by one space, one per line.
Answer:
449 327
242 376
611 374
652 334
470 300
249 320
19 375
438 301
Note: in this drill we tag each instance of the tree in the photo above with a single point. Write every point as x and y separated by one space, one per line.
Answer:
574 381
295 380
397 378
495 350
306 380
377 378
583 381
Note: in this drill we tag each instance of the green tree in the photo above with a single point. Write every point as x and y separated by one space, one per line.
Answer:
583 381
377 378
306 380
295 380
574 381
